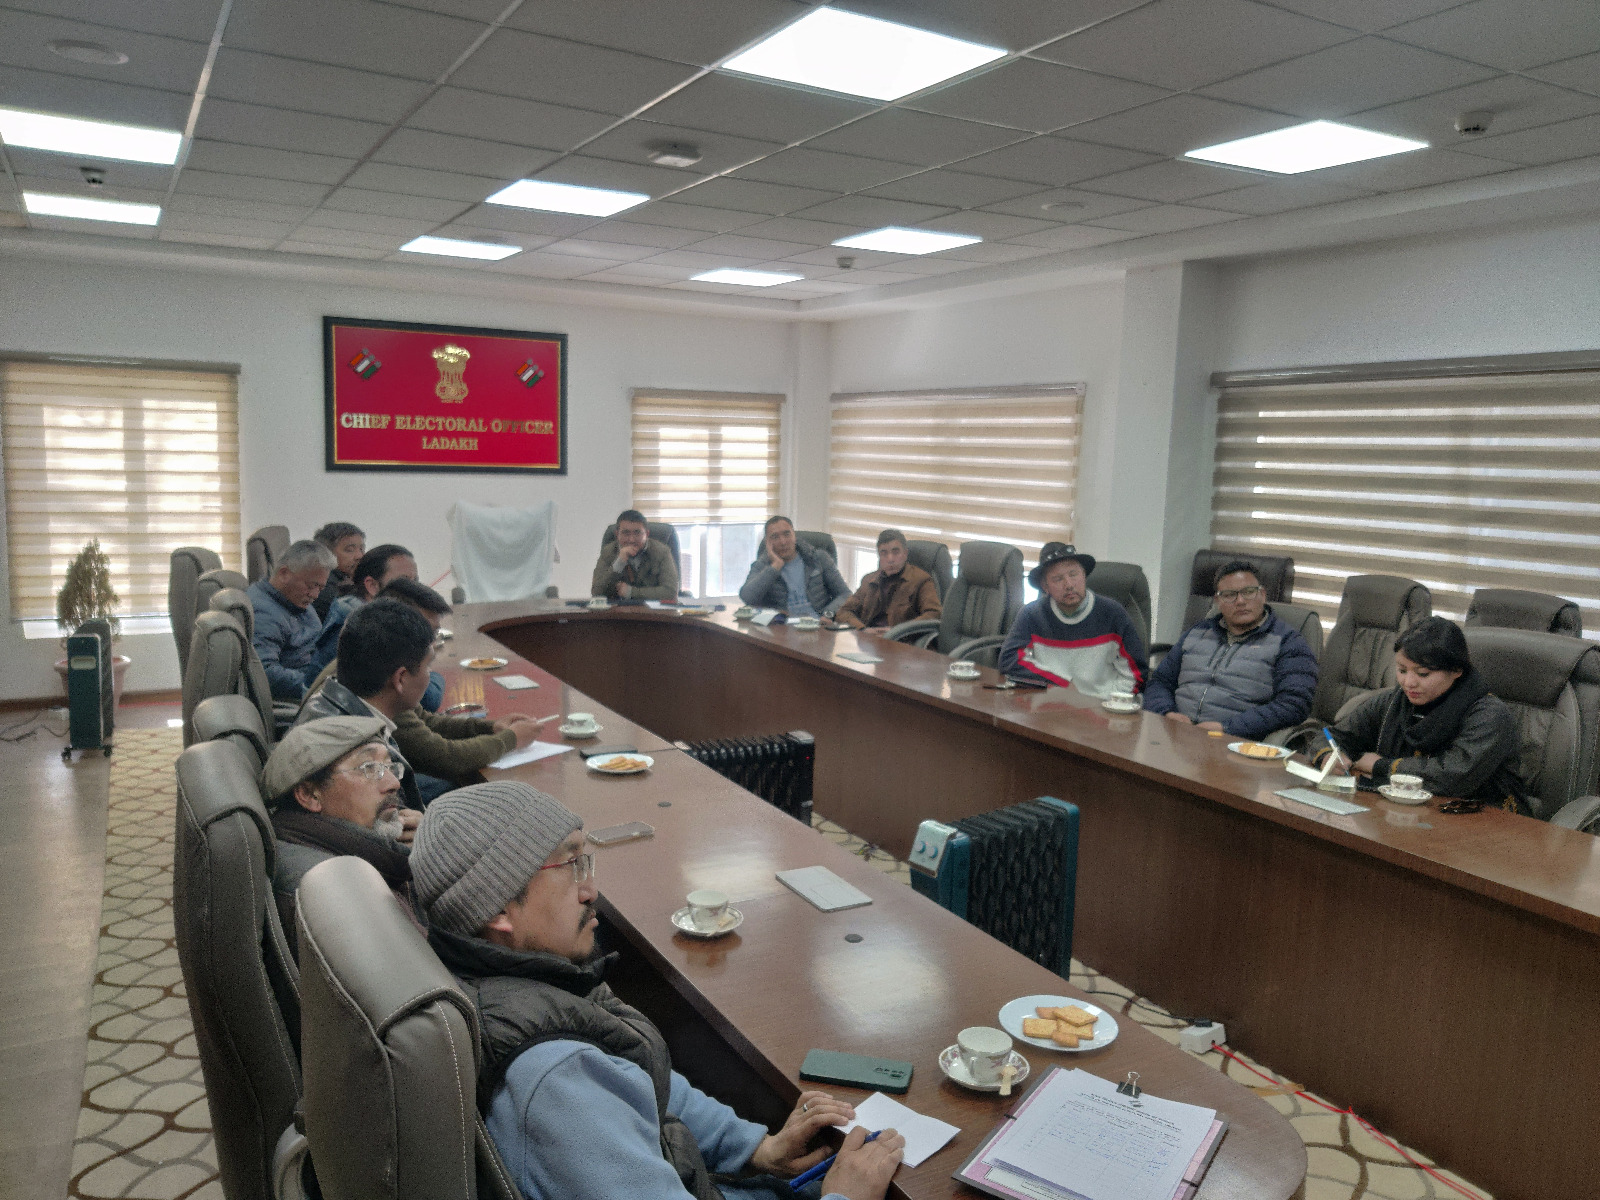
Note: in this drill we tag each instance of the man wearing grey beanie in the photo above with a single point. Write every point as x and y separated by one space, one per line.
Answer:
576 1087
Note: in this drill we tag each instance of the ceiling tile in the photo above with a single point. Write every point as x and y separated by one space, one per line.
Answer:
1041 96
1546 144
952 189
256 125
514 63
869 212
312 87
249 187
477 233
1281 196
905 135
1369 16
391 204
414 181
1074 237
1067 205
145 233
1516 103
353 33
251 210
1582 73
324 250
747 195
153 61
547 266
633 233
690 261
604 251
689 31
747 247
522 220
827 261
1511 34
991 252
1010 24
234 159
1054 160
991 226
195 238
1171 181
798 229
750 108
879 276
119 175
1348 78
648 274
693 216
401 227
1164 218
335 236
471 156
1180 124
633 141
1421 168
622 176
28 182
51 91
804 167
1185 44
507 119
192 19
471 10
927 267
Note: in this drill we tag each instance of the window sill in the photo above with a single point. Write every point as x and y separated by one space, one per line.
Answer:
47 629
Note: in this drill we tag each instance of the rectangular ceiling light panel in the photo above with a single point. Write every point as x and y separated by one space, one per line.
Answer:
745 278
43 204
97 139
892 239
1308 147
458 248
545 196
860 56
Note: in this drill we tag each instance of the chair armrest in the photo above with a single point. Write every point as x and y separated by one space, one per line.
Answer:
915 633
985 651
1583 814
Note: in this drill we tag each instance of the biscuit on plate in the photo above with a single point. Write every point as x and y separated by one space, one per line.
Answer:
1039 1027
1066 1035
1074 1015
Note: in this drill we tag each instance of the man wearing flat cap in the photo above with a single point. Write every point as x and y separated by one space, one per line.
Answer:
332 788
577 1088
1070 636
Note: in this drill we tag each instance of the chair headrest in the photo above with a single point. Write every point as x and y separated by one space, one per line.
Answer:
196 559
238 606
1526 666
217 781
1517 609
1384 601
218 716
1275 571
983 564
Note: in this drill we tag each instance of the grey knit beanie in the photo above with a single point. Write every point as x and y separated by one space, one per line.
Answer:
477 847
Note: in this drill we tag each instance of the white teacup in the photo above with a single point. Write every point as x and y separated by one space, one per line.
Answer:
1406 785
1123 699
599 602
580 722
962 668
984 1051
707 908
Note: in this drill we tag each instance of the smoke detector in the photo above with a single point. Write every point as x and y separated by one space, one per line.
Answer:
674 154
1475 123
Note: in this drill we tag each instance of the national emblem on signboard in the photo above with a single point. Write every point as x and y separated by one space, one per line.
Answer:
452 362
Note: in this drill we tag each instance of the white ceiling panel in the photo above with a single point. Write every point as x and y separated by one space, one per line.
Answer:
1172 181
991 226
1348 78
905 135
750 108
44 164
507 119
1421 168
338 236
694 216
522 220
990 252
145 233
1516 103
353 33
29 182
925 267
747 195
1189 43
471 10
315 87
257 125
1039 96
414 181
687 31
748 247
476 233
470 156
1582 73
236 226
255 210
1550 143
1369 16
191 19
160 62
1513 34
637 272
400 227
391 204
622 176
634 233
1055 160
195 238
829 258
869 212
634 140
234 159
1067 205
798 229
875 276
953 189
1264 198
324 250
50 91
692 261
599 250
1179 124
547 266
1009 24
804 167
249 187
1164 218
1074 237
513 63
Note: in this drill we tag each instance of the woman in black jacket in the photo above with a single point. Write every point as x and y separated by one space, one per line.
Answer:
1440 722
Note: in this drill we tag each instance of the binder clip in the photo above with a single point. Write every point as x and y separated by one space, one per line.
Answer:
1131 1089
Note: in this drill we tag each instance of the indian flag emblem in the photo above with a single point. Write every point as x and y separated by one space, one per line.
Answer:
529 374
365 365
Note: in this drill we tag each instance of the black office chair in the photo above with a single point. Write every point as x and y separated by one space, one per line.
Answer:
818 541
934 558
188 563
983 603
263 549
660 531
1126 584
1513 608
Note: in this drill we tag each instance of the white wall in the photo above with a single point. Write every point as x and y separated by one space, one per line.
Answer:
273 330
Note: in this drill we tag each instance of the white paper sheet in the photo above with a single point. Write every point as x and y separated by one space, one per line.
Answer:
858 656
925 1136
532 752
515 683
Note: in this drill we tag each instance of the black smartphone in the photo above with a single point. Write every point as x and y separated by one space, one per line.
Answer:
856 1070
614 748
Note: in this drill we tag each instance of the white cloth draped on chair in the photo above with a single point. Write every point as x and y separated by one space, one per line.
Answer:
502 553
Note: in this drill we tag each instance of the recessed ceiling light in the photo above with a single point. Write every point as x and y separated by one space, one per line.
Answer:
87 52
1308 147
43 204
860 56
457 248
99 139
745 278
674 154
892 239
565 198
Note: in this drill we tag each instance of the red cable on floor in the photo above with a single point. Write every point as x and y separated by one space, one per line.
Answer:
1360 1120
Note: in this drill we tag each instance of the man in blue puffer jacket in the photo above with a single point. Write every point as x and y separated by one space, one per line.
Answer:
1244 671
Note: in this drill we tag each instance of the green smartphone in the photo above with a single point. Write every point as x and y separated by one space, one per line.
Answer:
856 1070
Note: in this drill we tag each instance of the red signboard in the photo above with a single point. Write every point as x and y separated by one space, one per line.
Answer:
404 397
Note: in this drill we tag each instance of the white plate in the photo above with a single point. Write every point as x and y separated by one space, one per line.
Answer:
1105 1029
1121 706
1389 791
1279 753
599 760
731 920
955 1070
572 731
483 662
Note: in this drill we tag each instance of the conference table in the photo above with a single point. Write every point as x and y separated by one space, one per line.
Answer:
896 978
1440 974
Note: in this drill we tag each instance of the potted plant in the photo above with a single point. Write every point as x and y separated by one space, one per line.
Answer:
87 594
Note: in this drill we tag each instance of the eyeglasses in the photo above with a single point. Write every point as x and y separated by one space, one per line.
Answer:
1239 594
375 769
582 867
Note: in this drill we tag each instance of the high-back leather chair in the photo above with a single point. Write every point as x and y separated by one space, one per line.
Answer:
237 972
1359 657
212 582
819 541
188 563
233 719
222 662
1307 620
1512 608
1126 584
660 531
263 549
390 1051
237 605
979 609
1276 573
934 558
1552 683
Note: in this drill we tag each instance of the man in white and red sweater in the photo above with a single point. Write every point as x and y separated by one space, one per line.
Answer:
1070 636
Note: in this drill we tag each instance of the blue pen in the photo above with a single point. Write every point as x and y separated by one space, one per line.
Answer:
1332 745
821 1169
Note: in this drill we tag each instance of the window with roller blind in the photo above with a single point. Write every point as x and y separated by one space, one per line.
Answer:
997 465
144 458
1460 482
707 463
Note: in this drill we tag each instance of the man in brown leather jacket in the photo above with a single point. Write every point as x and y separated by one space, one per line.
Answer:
895 592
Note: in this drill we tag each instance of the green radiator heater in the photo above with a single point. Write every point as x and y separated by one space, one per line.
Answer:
1012 872
90 707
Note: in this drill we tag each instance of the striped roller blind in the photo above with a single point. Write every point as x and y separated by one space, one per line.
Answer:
146 460
705 457
996 465
1459 483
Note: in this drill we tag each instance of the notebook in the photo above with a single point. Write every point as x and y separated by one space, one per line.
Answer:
823 888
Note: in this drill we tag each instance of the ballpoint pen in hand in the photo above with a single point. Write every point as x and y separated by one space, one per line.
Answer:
821 1169
1334 747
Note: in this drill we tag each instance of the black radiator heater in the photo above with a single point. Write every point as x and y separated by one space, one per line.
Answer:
778 768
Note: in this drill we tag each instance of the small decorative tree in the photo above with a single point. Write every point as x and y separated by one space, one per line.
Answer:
87 592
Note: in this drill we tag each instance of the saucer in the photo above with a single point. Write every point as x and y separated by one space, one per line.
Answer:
1121 706
805 626
731 920
1393 793
572 731
956 1071
964 675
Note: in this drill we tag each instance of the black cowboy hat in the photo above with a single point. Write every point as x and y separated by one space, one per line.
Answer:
1053 552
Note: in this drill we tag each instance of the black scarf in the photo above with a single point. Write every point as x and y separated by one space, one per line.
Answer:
476 958
1412 732
337 836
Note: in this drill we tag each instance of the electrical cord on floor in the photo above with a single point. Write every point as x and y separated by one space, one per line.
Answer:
29 725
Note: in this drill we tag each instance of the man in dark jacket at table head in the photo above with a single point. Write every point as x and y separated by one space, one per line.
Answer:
1244 671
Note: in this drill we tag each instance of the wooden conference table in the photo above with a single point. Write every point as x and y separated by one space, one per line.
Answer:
897 978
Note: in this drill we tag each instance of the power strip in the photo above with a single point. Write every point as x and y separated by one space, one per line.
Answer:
1197 1039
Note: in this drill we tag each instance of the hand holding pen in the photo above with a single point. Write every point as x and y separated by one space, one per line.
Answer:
863 1167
